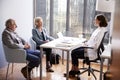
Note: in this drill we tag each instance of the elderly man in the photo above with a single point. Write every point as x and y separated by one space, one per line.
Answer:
12 40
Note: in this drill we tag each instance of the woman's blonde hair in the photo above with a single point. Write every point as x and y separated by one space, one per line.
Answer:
37 19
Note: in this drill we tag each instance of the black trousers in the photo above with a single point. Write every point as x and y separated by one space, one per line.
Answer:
77 54
47 51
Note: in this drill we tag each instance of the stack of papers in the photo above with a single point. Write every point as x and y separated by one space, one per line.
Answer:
69 42
64 45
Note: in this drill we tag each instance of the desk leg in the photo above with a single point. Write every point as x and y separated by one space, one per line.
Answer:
41 52
101 68
62 56
67 67
108 65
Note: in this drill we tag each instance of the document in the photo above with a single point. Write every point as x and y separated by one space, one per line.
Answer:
69 42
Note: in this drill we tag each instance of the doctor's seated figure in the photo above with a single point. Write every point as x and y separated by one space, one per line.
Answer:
100 22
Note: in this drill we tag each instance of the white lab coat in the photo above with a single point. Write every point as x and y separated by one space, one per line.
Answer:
94 42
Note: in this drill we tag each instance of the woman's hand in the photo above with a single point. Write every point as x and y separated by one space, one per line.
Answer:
46 41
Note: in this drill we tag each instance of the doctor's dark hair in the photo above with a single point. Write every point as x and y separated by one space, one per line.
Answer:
102 19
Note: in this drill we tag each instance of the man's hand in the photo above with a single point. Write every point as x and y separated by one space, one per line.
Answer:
26 46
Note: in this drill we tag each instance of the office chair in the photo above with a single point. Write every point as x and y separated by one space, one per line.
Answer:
14 56
33 44
88 62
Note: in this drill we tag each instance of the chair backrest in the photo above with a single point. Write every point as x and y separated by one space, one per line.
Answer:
33 44
101 47
14 55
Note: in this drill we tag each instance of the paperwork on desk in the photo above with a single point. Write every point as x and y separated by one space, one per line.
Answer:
69 42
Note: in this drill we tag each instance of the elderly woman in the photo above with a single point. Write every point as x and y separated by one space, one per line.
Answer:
40 36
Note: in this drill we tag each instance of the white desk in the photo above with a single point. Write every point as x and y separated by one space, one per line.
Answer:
105 55
66 44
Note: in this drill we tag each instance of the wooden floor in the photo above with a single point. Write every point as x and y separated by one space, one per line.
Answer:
59 70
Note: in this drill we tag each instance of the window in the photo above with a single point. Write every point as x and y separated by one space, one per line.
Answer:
54 13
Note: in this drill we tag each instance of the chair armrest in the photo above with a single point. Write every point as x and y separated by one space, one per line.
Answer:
88 47
15 55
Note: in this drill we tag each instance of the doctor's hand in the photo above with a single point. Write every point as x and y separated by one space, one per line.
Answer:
84 45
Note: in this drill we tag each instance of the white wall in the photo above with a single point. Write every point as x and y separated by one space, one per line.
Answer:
22 12
106 6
